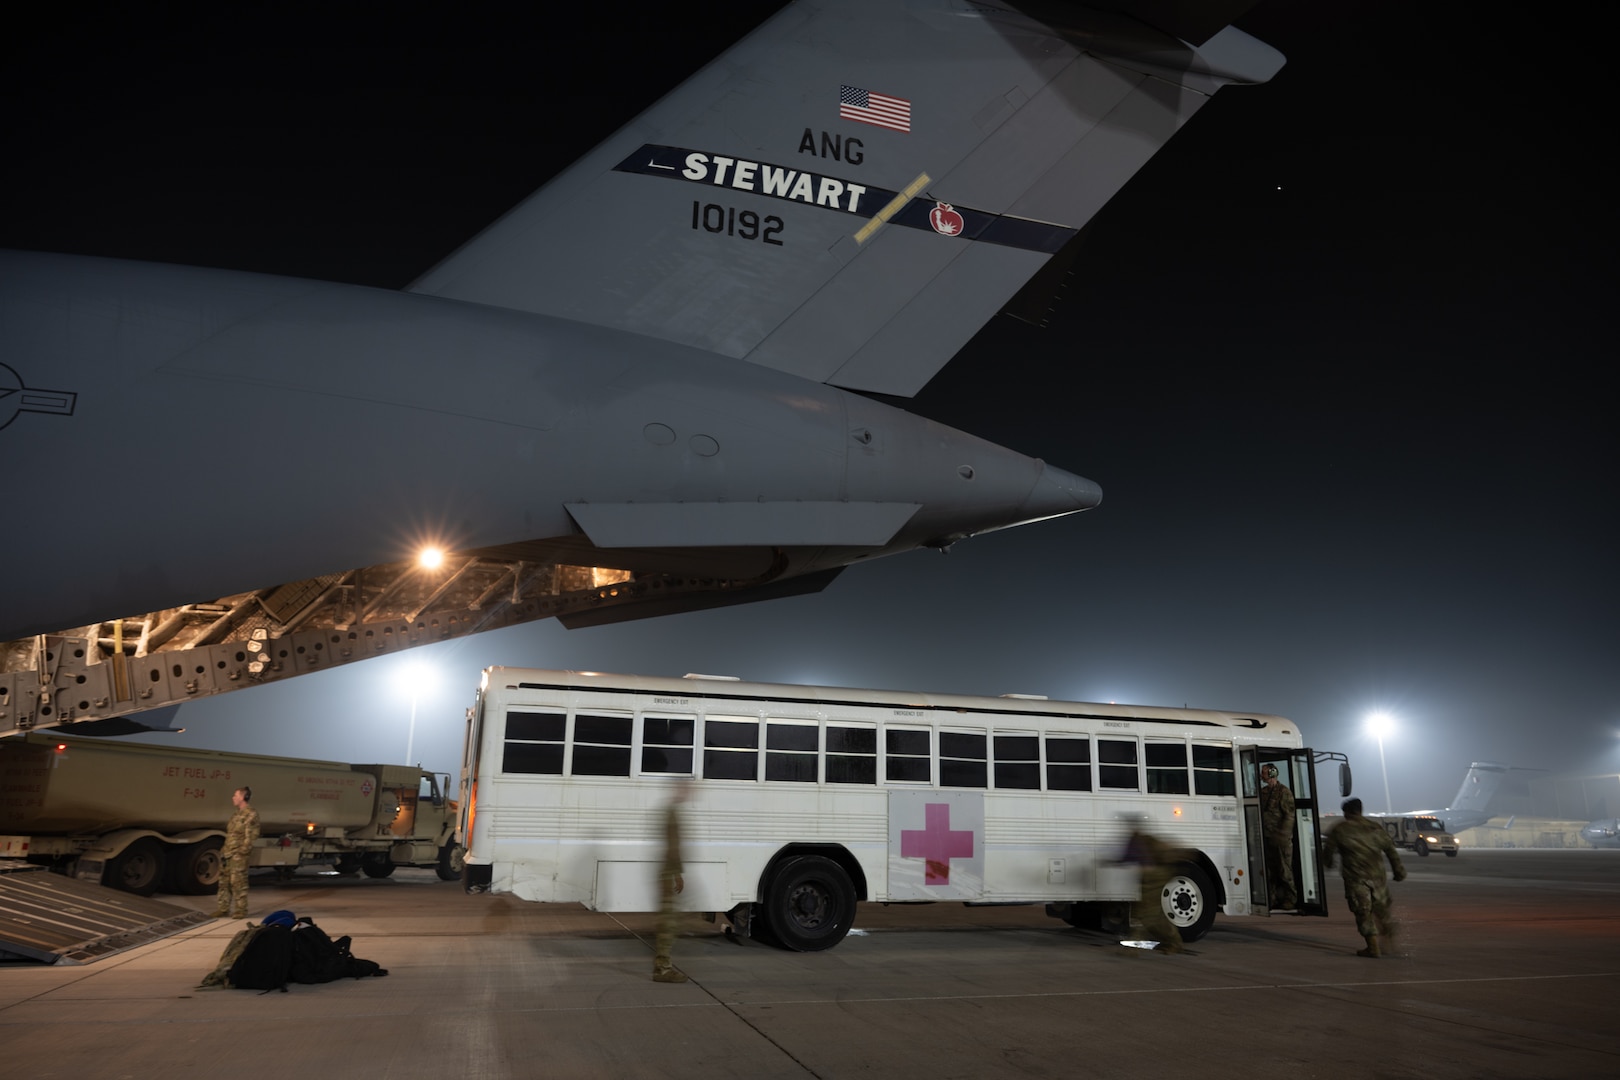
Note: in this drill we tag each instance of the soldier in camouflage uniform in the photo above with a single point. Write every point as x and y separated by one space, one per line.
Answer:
1155 859
670 883
1361 845
1277 826
240 832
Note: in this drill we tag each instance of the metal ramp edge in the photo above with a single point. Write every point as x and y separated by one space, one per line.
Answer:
59 920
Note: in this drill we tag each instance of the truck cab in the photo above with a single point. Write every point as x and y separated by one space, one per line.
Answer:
1421 833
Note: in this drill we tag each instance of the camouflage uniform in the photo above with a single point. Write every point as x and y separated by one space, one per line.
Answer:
1153 856
1277 825
669 883
240 832
1361 845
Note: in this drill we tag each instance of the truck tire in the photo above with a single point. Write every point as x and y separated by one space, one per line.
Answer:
376 864
137 869
194 868
451 859
1423 849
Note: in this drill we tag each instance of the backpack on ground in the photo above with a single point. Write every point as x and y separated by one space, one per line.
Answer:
316 958
265 962
219 976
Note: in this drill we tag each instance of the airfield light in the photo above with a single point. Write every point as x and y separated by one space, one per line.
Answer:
1381 724
430 558
418 677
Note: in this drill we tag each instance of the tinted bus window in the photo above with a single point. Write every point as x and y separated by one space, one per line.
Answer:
1213 771
601 745
1116 764
534 742
666 745
1167 768
790 750
908 755
851 754
731 748
962 759
1018 761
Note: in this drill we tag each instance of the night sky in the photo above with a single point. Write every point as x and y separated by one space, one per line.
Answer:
1334 357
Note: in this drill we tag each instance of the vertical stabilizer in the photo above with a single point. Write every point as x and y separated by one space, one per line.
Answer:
850 192
1478 787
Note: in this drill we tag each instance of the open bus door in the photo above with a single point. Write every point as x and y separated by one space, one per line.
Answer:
1296 769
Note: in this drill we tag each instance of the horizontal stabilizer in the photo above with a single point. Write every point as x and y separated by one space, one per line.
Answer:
741 524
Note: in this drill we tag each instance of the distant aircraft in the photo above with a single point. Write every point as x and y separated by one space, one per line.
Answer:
1604 832
644 390
1469 809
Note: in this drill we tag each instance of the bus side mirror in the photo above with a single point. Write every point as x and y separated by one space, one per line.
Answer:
1344 779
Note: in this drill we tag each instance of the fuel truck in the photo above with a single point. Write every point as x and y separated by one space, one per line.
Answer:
145 818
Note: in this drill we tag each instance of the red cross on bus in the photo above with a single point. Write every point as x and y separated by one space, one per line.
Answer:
936 843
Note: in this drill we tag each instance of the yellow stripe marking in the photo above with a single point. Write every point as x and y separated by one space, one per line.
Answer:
892 209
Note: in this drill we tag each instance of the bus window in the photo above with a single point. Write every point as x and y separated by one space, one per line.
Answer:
1068 763
534 742
1116 764
1018 760
790 750
908 755
1212 770
851 754
962 759
666 745
601 745
731 748
1167 768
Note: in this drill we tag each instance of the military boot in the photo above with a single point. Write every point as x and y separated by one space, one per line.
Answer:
1372 947
669 975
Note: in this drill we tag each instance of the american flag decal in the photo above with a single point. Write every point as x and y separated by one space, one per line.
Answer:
869 107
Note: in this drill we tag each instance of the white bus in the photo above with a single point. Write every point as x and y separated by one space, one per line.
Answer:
807 799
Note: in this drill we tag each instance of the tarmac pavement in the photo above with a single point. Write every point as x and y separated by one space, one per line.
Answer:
1509 967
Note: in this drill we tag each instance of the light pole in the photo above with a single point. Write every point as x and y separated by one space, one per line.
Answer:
1379 723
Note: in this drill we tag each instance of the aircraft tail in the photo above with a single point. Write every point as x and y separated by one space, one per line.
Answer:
850 192
1479 787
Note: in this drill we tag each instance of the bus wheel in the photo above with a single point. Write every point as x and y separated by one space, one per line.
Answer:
1189 901
810 904
194 869
136 869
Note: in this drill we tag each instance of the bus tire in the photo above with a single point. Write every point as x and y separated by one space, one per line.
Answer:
1189 901
451 858
194 868
376 864
137 869
810 904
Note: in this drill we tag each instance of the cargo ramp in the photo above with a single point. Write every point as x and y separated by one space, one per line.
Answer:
58 920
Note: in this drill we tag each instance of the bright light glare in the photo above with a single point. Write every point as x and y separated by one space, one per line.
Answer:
1380 724
430 558
419 678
